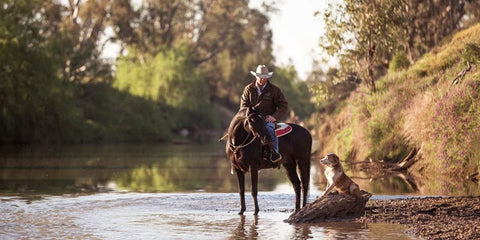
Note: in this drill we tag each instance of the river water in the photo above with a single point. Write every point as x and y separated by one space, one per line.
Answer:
155 191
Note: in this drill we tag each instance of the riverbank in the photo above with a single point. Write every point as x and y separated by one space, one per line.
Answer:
430 217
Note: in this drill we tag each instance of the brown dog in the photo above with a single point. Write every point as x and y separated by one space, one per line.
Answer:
336 177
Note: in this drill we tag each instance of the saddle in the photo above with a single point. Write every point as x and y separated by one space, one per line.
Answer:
282 129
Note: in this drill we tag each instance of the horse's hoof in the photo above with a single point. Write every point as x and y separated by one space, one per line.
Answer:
256 213
241 212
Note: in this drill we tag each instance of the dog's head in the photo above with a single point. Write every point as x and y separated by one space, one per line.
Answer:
330 160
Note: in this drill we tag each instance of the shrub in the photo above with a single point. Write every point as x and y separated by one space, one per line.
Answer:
399 61
471 53
456 127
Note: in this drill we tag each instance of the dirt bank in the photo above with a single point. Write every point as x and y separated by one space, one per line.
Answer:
430 218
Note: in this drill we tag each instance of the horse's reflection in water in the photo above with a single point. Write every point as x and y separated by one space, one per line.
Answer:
250 231
302 231
241 233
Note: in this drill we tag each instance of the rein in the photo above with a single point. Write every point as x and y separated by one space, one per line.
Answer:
234 149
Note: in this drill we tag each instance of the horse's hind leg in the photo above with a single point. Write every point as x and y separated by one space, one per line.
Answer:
254 178
304 167
241 190
292 175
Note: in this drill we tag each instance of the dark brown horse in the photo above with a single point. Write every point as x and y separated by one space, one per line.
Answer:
246 134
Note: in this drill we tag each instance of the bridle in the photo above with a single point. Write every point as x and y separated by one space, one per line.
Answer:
245 143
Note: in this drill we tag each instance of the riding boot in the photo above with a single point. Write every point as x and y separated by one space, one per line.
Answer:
275 156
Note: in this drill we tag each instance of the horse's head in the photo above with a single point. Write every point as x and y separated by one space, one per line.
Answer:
255 123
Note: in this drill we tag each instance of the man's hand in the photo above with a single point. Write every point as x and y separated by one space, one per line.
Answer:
270 118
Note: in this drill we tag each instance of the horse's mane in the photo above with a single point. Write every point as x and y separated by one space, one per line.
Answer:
238 122
238 119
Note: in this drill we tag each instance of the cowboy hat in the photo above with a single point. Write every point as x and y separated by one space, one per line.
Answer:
262 72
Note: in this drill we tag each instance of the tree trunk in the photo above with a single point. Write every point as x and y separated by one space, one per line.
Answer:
333 207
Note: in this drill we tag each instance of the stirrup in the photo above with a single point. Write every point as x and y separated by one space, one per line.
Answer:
278 159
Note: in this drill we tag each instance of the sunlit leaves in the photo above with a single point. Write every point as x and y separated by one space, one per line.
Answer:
168 78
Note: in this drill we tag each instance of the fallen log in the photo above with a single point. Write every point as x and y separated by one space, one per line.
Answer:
406 162
461 74
332 207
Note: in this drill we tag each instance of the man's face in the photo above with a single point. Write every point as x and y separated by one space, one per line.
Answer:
261 81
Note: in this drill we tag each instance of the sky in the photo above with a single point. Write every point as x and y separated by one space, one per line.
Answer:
296 32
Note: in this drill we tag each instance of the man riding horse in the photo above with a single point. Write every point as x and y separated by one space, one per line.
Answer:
269 102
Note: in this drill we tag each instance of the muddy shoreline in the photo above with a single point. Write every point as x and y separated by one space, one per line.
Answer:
429 217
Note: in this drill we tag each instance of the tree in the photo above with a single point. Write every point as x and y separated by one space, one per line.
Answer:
472 12
250 41
426 23
294 89
34 103
363 31
367 34
74 33
223 53
169 78
331 87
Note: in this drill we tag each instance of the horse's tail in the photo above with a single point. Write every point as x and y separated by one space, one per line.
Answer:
303 147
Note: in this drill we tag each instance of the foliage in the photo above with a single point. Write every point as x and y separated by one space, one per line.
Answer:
328 90
343 143
34 103
168 78
134 118
471 53
223 53
456 128
364 34
472 12
73 33
295 90
250 45
417 108
399 62
177 67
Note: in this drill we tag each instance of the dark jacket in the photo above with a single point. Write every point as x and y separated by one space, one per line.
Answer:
270 102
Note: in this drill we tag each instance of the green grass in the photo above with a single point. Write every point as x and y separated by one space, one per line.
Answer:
418 108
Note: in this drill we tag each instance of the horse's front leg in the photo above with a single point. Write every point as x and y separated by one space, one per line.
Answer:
241 190
254 177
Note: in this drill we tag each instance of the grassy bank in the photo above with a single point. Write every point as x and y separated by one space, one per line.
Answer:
420 108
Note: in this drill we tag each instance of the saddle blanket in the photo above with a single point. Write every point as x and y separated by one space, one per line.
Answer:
282 129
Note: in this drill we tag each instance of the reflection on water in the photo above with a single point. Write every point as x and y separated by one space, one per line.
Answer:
403 182
171 192
133 167
169 216
174 168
